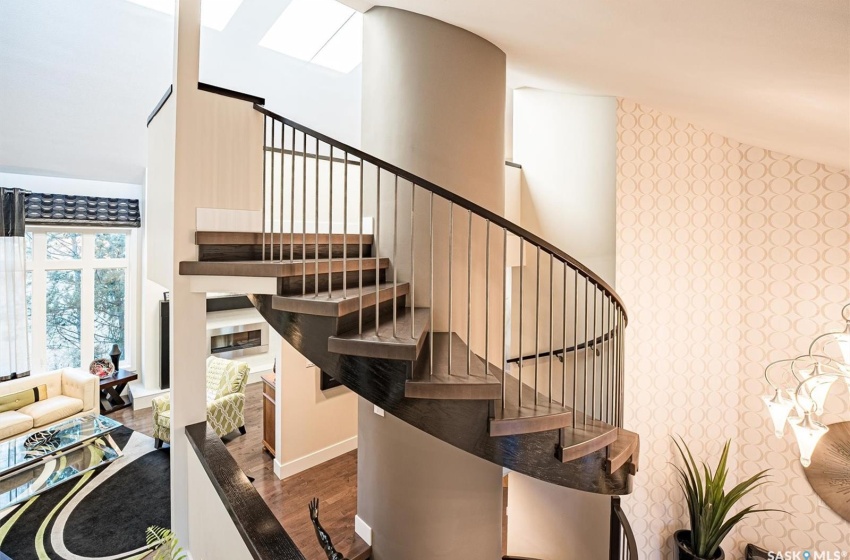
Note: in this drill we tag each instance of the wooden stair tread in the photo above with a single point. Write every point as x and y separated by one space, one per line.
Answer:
276 269
585 436
477 384
256 238
381 343
341 302
530 417
359 549
625 449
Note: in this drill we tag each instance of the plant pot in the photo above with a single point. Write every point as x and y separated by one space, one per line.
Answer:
682 542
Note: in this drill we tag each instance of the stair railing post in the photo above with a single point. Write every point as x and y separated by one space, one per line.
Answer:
395 259
586 345
282 186
505 364
487 300
360 255
575 340
304 215
537 326
468 293
265 170
451 244
316 238
564 343
292 202
593 356
412 258
271 203
376 249
519 338
330 219
431 283
345 226
551 318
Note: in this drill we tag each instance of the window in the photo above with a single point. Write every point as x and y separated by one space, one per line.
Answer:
79 295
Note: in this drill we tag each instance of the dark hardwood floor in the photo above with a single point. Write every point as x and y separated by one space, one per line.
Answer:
333 482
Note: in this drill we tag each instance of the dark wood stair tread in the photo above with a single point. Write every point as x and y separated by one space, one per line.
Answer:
584 437
341 302
530 417
625 449
276 269
382 343
256 238
477 384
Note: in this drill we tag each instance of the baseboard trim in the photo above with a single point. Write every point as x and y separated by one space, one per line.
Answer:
362 530
285 470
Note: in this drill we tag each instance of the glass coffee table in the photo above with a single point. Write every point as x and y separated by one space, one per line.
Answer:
39 461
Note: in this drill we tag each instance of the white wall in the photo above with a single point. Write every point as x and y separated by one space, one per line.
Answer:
556 523
566 145
314 425
211 530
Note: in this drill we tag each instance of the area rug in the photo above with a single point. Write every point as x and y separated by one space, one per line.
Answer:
102 515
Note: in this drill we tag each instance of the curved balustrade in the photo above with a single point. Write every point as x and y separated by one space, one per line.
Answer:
315 185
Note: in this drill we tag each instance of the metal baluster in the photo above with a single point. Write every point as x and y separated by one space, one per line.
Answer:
622 376
537 325
487 300
575 338
271 203
282 187
593 369
316 238
377 252
292 202
431 286
265 168
586 342
360 255
521 274
330 219
504 314
345 226
564 345
610 372
412 258
551 319
603 360
469 293
451 243
395 258
304 216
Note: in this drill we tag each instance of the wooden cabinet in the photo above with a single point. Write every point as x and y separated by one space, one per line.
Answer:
268 412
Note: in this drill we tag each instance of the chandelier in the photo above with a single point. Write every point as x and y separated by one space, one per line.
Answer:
800 386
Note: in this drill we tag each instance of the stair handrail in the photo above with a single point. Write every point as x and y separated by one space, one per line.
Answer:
480 211
622 539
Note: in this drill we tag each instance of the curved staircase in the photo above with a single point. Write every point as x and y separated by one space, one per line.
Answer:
435 355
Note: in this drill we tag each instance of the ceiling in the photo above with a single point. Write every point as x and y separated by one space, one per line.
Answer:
78 79
771 73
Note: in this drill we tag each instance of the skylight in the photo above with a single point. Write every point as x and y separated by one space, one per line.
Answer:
215 14
323 32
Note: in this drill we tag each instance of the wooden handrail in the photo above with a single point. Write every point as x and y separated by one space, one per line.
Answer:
460 201
262 533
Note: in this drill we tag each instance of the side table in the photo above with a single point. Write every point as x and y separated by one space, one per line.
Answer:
111 388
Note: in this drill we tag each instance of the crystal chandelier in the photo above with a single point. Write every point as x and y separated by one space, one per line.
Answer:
799 387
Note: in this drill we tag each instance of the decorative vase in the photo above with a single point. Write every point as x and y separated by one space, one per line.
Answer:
682 542
115 355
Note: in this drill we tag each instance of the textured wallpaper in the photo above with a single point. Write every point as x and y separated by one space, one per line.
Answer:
728 256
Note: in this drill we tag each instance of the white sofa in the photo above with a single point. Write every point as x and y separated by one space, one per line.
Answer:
70 393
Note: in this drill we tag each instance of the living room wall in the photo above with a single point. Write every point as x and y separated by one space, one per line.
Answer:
728 257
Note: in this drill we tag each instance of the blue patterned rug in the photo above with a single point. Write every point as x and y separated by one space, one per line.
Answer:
101 515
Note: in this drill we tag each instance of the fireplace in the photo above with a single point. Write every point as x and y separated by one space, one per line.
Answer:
239 340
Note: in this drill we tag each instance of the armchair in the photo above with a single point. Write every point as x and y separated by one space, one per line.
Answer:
226 382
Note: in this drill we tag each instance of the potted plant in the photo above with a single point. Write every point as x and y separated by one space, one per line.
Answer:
709 505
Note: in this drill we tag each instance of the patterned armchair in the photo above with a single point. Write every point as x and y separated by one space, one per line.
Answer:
226 381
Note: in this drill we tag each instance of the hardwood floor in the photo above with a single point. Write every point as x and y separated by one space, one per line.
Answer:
333 482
